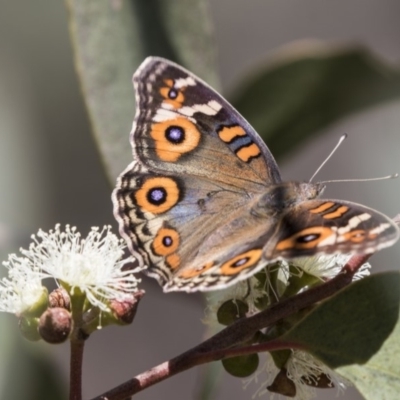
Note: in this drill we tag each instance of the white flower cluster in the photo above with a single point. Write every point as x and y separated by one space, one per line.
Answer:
303 369
325 266
94 265
301 366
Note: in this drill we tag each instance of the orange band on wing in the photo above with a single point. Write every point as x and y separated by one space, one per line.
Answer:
173 261
336 214
228 133
173 138
248 152
192 272
241 262
323 207
356 236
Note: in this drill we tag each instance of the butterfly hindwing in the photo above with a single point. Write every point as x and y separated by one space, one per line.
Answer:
330 226
310 228
171 219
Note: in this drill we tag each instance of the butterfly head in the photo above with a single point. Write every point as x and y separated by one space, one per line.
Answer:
308 190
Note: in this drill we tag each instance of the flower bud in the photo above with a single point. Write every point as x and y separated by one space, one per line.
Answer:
60 298
283 385
55 325
322 381
125 311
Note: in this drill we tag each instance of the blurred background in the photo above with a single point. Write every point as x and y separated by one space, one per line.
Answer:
50 170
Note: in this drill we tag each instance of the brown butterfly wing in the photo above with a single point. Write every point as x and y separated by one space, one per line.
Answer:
330 226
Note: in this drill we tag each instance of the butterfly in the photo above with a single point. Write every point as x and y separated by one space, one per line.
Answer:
203 202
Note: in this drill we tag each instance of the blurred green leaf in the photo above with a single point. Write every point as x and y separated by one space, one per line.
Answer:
209 379
241 366
307 87
111 38
281 357
350 327
379 378
231 310
28 373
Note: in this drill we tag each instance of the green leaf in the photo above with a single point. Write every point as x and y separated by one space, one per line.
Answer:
281 357
307 87
231 310
111 38
379 378
350 327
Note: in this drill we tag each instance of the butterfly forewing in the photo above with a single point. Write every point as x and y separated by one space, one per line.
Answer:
183 126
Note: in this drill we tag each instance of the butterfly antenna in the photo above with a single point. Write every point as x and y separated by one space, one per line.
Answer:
382 178
344 136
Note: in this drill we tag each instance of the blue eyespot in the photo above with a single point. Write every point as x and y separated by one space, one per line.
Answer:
240 262
175 134
167 241
172 94
157 195
308 238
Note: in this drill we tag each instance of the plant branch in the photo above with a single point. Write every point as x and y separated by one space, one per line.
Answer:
221 344
77 347
77 344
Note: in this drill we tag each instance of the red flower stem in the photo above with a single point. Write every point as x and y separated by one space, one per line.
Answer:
77 344
355 263
76 359
221 345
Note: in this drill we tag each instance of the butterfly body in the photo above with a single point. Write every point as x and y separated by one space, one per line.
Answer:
203 201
